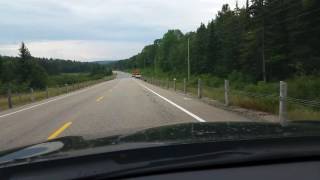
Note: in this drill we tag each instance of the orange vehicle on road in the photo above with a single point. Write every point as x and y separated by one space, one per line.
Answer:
136 73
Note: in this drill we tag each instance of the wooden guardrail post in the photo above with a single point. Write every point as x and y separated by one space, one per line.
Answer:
20 96
283 114
66 86
31 95
199 89
185 85
47 92
58 89
9 99
174 84
226 92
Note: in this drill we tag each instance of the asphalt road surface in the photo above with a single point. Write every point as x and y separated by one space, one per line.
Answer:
102 110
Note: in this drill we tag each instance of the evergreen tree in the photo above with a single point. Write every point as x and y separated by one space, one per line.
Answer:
25 65
272 39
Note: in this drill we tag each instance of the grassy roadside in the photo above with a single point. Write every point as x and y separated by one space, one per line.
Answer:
260 97
271 105
19 99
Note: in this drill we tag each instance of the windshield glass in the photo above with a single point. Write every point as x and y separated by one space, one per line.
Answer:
218 70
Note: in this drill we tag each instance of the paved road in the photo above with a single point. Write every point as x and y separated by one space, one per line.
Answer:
105 109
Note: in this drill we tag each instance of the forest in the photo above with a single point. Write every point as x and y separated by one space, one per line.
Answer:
265 40
26 71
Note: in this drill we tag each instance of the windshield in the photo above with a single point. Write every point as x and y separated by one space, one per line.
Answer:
97 69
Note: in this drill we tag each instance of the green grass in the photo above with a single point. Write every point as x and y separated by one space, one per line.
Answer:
301 112
265 104
260 102
19 99
213 93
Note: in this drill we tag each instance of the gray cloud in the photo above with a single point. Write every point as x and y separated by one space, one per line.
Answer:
128 22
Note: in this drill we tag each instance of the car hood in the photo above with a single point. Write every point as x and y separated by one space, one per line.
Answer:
159 136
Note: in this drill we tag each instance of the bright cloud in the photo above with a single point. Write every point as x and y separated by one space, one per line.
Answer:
77 49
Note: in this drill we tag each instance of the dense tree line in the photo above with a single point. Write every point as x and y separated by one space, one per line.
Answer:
265 40
28 71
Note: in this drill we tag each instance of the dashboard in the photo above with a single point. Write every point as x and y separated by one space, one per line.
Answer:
289 171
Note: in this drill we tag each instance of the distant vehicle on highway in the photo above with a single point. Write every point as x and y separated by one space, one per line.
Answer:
136 73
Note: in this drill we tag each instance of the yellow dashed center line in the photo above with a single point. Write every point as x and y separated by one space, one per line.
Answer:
59 131
100 98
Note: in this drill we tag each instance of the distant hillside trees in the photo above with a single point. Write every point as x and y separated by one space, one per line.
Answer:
26 71
268 39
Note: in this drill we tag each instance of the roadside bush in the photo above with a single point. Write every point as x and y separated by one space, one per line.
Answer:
239 80
212 81
15 87
39 77
63 79
262 87
304 87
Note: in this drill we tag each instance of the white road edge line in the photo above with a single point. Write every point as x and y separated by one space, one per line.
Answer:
52 100
174 104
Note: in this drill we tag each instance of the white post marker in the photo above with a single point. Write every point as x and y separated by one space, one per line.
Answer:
31 95
226 92
283 103
199 89
9 99
184 85
47 92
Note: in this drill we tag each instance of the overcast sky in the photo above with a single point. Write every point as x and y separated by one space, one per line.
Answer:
88 30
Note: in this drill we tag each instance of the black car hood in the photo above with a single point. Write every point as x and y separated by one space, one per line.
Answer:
180 133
